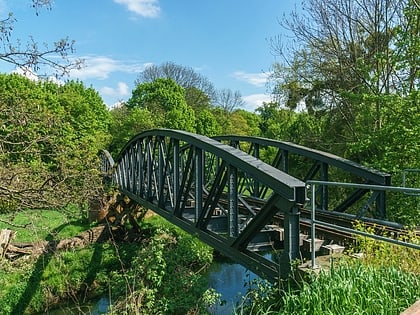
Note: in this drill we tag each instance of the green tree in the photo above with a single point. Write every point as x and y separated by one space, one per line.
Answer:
165 99
243 123
126 123
344 46
275 121
406 58
49 140
199 91
206 124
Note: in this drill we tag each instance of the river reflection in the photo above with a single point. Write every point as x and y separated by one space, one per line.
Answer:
232 281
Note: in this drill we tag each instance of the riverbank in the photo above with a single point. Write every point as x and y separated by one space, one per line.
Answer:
162 270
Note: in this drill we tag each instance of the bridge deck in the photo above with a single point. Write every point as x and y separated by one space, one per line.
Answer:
224 195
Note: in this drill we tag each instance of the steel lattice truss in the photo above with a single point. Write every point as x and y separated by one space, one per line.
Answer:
222 190
309 164
221 194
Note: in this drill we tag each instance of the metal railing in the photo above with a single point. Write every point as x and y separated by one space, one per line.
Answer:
313 184
405 174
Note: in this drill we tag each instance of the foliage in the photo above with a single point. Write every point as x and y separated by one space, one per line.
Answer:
356 289
49 139
407 46
126 123
206 124
166 275
378 253
163 272
347 288
243 123
199 91
351 59
166 100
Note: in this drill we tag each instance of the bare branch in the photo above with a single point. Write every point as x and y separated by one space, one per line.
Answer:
50 58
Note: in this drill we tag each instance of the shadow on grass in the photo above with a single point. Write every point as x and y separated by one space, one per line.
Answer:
43 261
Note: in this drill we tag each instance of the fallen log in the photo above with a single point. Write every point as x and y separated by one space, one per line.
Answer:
16 250
112 211
5 237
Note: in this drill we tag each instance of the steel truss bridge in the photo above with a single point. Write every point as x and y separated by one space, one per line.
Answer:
228 190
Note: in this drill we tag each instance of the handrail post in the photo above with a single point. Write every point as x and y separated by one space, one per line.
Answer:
313 203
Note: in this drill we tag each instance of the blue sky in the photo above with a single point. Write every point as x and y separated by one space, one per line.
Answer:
227 41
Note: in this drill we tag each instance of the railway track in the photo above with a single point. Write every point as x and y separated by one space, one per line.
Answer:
336 234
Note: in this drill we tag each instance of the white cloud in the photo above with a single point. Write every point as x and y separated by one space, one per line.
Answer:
256 79
119 92
255 100
26 72
145 8
100 67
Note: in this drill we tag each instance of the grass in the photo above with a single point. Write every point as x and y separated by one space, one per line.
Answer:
33 225
350 287
354 289
161 271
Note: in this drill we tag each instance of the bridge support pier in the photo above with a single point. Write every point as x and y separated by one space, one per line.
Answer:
291 241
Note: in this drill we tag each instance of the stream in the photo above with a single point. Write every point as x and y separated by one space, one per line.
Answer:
230 279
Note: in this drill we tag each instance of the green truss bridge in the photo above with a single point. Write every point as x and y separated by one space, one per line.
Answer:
231 191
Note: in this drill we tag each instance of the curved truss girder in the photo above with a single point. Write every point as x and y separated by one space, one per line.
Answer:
322 166
208 189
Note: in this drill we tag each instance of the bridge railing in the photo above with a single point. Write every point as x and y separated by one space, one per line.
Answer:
310 164
206 188
313 184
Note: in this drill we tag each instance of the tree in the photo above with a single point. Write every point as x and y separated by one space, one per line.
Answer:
407 45
229 100
165 99
206 124
30 57
244 123
49 140
344 46
199 91
275 122
126 123
349 57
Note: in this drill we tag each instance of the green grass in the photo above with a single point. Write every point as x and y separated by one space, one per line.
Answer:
162 271
34 225
347 288
354 289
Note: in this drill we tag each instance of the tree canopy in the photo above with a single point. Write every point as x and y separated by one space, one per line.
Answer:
166 100
49 139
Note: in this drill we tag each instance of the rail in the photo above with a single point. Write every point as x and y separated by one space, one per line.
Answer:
313 183
202 186
311 164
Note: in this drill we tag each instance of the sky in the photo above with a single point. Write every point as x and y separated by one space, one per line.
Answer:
226 41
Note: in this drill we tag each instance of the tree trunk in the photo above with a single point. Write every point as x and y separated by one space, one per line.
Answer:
16 250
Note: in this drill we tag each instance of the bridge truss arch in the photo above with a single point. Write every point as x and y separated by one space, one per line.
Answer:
310 164
215 191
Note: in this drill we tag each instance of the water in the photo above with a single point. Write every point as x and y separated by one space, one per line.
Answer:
230 279
94 308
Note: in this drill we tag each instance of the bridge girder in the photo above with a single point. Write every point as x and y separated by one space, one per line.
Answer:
221 190
310 164
215 191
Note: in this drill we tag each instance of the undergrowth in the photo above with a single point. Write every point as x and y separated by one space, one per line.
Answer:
162 273
384 280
